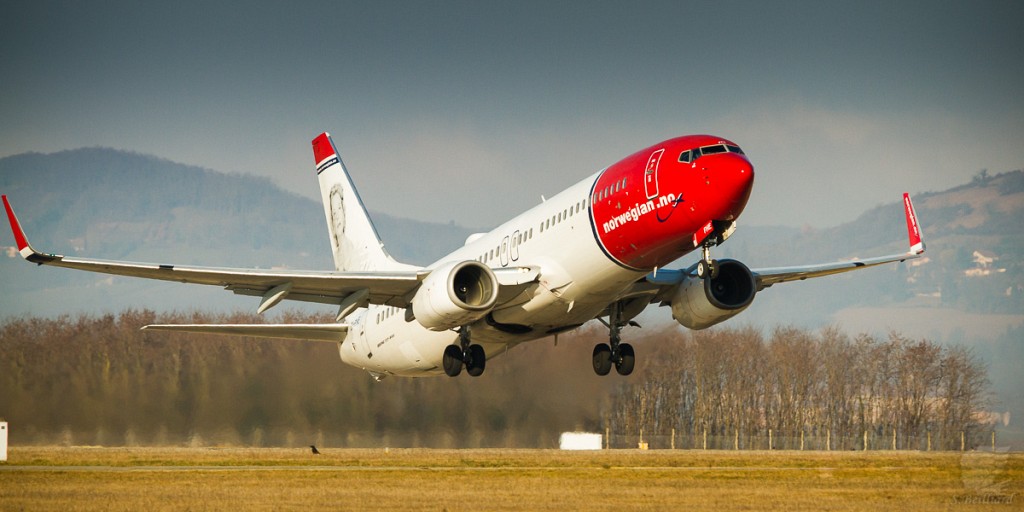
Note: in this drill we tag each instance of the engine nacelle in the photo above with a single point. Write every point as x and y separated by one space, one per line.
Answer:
700 303
454 294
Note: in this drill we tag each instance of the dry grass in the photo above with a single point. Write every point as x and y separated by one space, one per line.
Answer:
282 479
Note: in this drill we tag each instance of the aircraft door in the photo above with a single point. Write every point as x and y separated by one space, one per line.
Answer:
651 174
514 248
504 252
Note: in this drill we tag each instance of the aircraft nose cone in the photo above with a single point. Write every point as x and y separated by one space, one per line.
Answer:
735 180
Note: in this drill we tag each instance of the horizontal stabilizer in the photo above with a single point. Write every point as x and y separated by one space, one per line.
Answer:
314 332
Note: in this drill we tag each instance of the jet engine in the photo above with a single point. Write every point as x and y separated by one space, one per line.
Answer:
700 303
454 294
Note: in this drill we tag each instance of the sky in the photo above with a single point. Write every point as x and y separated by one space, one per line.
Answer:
469 112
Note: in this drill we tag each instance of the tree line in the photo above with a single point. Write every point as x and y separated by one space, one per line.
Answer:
101 380
743 388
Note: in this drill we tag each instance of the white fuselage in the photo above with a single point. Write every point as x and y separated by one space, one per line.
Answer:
578 281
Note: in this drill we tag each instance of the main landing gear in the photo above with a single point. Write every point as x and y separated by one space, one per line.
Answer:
464 354
614 352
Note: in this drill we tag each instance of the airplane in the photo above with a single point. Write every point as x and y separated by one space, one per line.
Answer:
596 250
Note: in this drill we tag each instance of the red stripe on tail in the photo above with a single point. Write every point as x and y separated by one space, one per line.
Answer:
322 148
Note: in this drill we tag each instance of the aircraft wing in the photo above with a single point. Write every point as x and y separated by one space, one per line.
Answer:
348 290
661 282
766 277
338 288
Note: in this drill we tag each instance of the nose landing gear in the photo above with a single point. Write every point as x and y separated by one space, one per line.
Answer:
707 267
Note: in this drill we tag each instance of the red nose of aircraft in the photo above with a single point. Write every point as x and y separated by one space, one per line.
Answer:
730 178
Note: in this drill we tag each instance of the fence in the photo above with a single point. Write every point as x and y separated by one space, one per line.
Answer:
822 441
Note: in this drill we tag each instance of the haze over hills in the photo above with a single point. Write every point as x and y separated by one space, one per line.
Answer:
111 204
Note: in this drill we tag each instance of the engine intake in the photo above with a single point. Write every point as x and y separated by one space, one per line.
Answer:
454 294
700 303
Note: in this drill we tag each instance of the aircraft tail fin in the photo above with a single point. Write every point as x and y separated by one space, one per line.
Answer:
354 239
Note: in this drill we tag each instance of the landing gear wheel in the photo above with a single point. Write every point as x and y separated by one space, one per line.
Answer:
602 359
627 359
705 269
476 361
452 360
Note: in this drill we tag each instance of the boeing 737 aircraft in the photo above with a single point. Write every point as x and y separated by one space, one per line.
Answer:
597 250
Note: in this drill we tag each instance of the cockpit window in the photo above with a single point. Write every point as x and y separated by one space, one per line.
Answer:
692 154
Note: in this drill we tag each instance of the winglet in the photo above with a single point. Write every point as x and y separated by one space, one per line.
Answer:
21 240
19 234
913 228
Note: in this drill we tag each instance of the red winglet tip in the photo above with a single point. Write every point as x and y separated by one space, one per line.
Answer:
913 228
322 148
19 234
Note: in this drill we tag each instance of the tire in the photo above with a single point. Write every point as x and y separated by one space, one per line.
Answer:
477 361
705 269
452 360
602 359
627 359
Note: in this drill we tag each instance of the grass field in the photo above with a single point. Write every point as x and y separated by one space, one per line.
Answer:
151 479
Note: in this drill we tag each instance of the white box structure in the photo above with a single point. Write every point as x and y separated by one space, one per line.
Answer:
3 441
579 441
